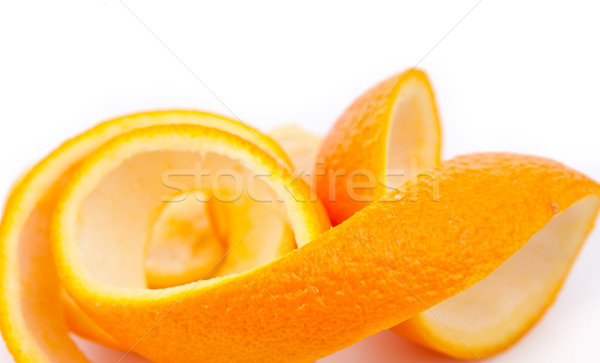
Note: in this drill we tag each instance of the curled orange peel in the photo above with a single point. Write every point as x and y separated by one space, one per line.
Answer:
392 133
388 135
103 239
390 262
36 315
492 315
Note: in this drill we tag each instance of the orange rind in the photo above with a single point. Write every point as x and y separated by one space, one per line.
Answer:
388 135
36 316
302 147
184 236
349 282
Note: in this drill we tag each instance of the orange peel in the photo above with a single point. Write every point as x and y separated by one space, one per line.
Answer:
349 282
302 147
426 261
36 315
516 294
388 135
390 262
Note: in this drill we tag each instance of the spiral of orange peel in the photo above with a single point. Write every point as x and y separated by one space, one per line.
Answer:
103 239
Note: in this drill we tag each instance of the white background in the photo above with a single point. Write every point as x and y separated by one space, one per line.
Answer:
511 76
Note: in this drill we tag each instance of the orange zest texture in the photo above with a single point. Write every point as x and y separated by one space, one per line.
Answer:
131 235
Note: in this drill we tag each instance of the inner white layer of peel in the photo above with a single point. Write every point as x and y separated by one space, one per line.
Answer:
411 137
520 289
150 216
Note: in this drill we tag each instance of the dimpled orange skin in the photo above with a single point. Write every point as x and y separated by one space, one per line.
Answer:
385 264
358 141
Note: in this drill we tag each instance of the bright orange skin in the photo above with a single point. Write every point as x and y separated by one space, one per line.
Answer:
383 265
358 141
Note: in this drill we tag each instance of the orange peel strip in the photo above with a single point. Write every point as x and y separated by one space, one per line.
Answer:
391 132
302 147
35 315
389 262
349 282
494 314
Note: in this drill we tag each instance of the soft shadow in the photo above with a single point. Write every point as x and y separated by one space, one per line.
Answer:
97 353
386 347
